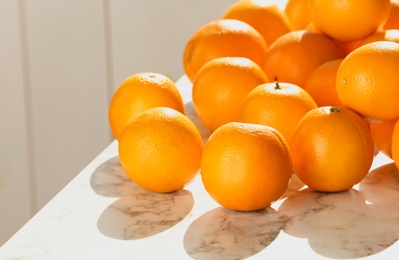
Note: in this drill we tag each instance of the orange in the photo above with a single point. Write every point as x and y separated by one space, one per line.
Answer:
395 144
222 38
393 18
332 149
321 84
246 166
348 47
349 20
279 105
293 56
382 136
160 149
298 14
220 88
368 80
265 16
139 92
391 35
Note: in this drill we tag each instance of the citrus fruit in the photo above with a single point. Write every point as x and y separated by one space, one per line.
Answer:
348 47
160 149
298 14
349 20
265 16
393 18
368 80
279 105
221 87
139 92
383 35
294 55
332 149
222 38
246 166
395 144
321 84
382 136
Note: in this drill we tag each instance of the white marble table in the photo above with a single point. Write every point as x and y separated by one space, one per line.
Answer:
101 214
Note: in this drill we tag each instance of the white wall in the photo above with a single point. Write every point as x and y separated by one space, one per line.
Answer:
60 62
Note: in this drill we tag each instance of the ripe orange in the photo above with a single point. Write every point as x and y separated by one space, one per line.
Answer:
220 88
321 84
139 92
349 20
391 35
298 14
382 136
368 80
160 149
265 16
393 18
332 149
293 56
246 166
395 144
279 105
222 38
348 47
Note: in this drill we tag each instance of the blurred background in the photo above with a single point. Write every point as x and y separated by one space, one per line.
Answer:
60 63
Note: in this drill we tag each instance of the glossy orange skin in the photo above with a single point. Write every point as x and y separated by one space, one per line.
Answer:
222 38
382 35
382 136
298 14
368 80
332 149
393 18
246 166
278 105
395 144
293 56
138 93
160 149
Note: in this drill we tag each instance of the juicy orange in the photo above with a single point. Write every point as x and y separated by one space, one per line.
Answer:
321 84
391 35
160 149
265 16
279 105
349 20
395 144
220 88
332 149
368 80
222 38
293 56
234 168
298 14
382 136
140 92
393 18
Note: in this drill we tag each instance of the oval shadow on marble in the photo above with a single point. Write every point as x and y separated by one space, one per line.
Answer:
144 214
226 234
338 225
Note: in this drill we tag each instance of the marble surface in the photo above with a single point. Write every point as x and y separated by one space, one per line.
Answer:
102 214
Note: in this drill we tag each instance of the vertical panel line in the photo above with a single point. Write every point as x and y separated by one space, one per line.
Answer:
28 105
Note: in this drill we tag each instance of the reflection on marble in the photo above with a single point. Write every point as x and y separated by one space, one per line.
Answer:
190 113
227 234
138 213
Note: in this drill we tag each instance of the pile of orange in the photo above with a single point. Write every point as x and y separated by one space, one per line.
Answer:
310 90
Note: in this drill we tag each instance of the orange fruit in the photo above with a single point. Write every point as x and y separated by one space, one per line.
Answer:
279 105
393 18
321 84
348 47
222 38
234 168
391 35
368 80
395 144
140 92
382 136
349 20
293 56
160 149
265 16
220 88
332 149
298 14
